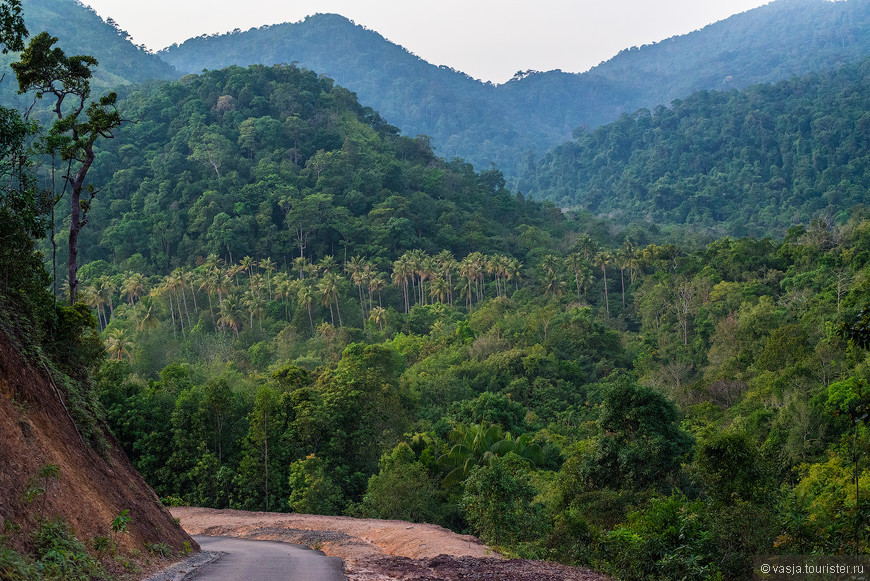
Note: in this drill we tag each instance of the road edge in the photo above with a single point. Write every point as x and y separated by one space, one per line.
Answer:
184 570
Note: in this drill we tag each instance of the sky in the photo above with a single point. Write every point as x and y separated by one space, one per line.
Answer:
487 39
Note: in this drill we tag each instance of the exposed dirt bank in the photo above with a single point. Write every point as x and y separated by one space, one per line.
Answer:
89 489
378 550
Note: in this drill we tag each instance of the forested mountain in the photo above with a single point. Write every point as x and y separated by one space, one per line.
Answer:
755 161
280 161
563 387
82 31
486 124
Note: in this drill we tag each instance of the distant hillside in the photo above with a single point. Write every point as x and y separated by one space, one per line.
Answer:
278 161
82 31
755 161
487 124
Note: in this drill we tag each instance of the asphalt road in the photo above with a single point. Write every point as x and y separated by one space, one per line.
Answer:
266 561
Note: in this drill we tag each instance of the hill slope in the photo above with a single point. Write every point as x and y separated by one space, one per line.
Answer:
278 161
748 162
483 123
82 31
90 489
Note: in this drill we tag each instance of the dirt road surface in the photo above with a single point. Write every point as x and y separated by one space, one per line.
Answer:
380 550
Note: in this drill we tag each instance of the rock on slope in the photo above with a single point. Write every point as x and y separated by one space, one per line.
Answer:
91 490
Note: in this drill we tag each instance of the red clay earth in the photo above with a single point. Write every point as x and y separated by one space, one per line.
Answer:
90 489
380 550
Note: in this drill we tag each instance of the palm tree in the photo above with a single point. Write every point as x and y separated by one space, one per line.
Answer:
355 267
328 287
268 266
149 319
467 270
299 263
176 280
233 272
503 264
415 264
552 285
586 245
478 444
447 263
490 266
378 315
91 297
377 283
255 305
306 298
577 264
217 281
118 344
602 259
514 272
401 272
186 278
439 289
163 289
549 264
107 289
255 284
247 263
428 270
134 286
326 264
283 290
476 266
231 314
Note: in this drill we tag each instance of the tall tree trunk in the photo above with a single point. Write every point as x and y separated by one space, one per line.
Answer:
623 288
266 448
172 312
337 308
186 312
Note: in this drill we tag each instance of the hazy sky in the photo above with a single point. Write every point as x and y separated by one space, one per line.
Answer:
488 39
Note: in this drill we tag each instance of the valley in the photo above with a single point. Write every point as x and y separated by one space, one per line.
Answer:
415 327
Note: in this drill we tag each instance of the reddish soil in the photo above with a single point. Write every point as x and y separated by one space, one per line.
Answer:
378 550
91 489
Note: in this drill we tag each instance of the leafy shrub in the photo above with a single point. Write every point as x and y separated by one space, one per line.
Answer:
499 502
402 490
313 491
61 555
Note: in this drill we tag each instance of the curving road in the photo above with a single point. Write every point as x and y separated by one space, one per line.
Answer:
266 561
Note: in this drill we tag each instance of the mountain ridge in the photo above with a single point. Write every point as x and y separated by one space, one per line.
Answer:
486 124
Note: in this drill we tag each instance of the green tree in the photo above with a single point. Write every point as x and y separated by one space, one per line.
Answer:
639 443
312 489
45 69
480 444
498 499
403 489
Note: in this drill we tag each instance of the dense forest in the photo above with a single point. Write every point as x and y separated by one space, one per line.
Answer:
640 410
755 161
276 161
293 322
535 111
287 305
